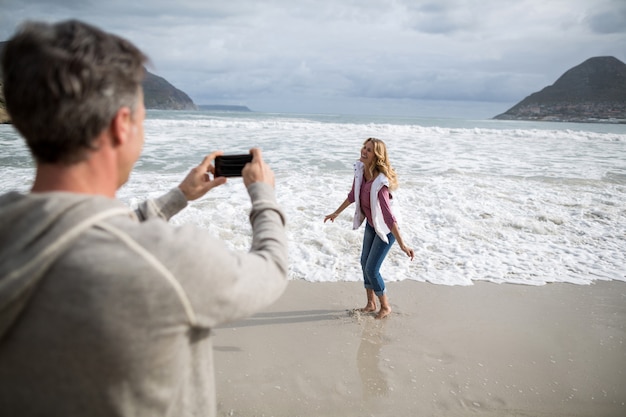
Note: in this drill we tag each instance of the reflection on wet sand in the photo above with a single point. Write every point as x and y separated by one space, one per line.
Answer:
375 383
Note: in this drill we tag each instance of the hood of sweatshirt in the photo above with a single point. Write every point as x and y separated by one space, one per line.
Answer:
36 230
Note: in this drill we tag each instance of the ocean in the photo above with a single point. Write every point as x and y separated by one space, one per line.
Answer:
480 200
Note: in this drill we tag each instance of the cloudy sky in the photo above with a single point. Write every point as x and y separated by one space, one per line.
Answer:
446 58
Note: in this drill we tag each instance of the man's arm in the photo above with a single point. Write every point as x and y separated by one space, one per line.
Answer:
226 285
196 184
164 207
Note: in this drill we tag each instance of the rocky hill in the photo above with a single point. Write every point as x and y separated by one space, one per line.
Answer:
594 91
158 94
4 117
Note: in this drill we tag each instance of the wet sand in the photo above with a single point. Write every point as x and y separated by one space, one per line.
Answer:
482 350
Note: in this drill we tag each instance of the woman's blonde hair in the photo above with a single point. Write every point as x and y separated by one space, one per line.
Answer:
381 162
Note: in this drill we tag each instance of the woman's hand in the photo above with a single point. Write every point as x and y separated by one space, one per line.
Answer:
396 233
409 252
331 217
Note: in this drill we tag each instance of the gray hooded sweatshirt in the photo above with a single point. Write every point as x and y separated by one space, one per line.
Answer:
107 312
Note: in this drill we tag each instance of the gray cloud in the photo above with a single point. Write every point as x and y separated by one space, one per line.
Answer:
609 19
305 54
444 17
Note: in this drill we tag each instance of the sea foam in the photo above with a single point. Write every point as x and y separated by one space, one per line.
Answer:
526 203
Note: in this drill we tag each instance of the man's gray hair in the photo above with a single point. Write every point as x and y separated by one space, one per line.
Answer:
64 83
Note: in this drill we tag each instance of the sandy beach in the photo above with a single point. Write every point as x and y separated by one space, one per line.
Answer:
481 350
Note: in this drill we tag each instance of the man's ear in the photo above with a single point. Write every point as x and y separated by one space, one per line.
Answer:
121 126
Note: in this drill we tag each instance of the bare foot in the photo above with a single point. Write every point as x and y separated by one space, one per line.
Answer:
384 312
369 308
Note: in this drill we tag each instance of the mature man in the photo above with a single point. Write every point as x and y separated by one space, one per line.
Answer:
105 311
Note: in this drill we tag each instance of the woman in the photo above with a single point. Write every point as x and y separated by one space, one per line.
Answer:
374 178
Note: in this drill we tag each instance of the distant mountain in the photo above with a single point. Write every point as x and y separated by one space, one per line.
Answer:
158 94
4 116
594 91
223 107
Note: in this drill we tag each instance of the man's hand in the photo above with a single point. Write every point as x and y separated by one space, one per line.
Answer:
257 170
198 182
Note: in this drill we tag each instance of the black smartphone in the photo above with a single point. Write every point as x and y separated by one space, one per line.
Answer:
231 165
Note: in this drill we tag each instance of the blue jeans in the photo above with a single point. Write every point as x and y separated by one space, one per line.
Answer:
372 257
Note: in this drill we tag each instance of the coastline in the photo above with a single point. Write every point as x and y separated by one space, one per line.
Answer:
486 349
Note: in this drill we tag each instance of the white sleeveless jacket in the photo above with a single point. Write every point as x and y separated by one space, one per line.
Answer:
377 213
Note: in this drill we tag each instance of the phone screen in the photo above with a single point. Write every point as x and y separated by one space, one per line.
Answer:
231 165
